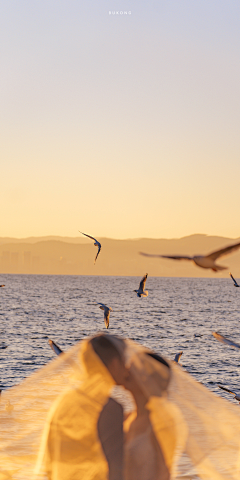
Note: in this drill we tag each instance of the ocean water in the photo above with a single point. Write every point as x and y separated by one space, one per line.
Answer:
178 314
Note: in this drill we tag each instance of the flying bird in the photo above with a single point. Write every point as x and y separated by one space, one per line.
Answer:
141 292
237 397
225 340
177 357
2 286
203 261
97 244
55 347
234 281
107 311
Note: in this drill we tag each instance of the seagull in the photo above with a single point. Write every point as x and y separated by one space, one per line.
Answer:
203 261
225 340
237 397
55 347
97 244
234 281
177 357
141 292
107 311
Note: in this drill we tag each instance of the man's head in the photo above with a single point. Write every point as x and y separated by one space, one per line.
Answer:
111 357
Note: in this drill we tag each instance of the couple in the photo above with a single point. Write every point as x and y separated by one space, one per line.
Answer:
89 437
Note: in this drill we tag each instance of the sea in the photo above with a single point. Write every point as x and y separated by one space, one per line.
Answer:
179 314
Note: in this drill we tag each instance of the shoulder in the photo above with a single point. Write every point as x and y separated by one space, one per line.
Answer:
67 401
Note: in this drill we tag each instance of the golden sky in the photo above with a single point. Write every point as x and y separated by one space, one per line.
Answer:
120 127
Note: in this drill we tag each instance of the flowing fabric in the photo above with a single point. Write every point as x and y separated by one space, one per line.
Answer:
48 424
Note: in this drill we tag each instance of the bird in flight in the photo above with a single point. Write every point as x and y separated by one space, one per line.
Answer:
237 397
96 243
177 357
203 261
141 292
107 311
234 281
55 347
2 286
225 340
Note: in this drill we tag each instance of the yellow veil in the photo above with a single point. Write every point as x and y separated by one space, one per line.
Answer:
199 433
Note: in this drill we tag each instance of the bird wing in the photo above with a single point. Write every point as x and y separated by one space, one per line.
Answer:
143 282
106 317
225 340
177 357
89 236
234 281
99 248
227 390
172 257
55 347
102 305
223 251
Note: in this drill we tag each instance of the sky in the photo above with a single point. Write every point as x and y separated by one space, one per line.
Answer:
120 126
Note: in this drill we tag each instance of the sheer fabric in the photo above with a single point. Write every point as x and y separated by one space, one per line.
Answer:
48 424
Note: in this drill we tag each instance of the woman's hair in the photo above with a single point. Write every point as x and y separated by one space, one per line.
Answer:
158 358
105 349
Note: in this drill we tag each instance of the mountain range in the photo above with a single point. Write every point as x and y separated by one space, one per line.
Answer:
54 255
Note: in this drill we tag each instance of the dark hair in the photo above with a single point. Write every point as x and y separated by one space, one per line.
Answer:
105 349
158 358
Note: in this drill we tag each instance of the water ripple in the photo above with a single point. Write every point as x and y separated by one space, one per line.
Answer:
179 314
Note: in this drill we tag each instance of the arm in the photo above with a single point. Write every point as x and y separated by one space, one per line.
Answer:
110 432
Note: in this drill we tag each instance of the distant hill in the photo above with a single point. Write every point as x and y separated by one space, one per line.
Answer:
79 239
75 256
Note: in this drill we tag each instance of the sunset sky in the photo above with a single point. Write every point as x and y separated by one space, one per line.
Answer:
121 126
